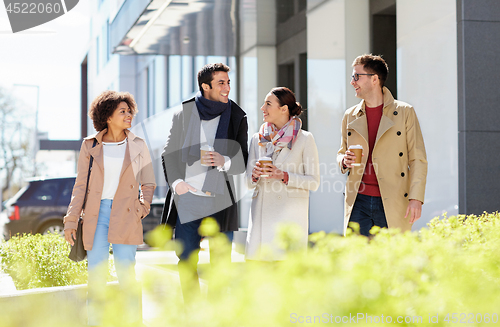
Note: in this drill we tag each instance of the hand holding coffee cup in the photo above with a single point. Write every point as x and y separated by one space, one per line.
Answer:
205 155
273 172
353 156
265 162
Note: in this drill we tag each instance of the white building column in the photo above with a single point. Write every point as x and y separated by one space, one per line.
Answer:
337 32
257 57
257 69
427 79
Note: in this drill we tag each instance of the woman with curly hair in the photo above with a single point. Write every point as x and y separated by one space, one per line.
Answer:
119 195
281 188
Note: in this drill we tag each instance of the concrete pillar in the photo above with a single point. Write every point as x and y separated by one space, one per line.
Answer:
427 79
337 32
258 70
478 98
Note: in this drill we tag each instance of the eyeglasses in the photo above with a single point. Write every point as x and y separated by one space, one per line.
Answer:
355 77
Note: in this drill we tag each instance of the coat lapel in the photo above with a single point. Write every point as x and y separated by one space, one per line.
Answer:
360 125
385 121
385 124
285 152
282 156
131 153
96 152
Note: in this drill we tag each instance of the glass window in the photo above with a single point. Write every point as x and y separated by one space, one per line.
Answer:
151 89
284 10
187 76
216 59
167 83
174 80
65 195
107 43
45 191
199 62
97 54
233 78
302 5
146 95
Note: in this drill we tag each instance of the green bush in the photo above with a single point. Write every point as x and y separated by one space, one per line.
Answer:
41 261
408 279
446 274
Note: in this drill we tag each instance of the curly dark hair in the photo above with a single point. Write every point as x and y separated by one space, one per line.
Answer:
105 104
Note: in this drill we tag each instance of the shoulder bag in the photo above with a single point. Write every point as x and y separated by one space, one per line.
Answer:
78 252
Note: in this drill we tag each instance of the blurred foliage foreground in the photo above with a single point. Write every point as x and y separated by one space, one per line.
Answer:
440 276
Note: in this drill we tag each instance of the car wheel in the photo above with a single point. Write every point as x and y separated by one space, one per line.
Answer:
53 227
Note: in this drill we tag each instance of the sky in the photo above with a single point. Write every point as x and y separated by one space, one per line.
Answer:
48 56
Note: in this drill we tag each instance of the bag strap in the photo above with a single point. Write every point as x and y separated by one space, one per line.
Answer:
229 187
88 177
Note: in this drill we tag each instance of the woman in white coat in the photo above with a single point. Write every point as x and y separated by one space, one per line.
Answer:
281 195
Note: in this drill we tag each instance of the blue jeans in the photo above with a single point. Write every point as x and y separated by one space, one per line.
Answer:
124 257
187 234
189 238
368 211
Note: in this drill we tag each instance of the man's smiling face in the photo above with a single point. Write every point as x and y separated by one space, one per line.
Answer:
366 84
220 87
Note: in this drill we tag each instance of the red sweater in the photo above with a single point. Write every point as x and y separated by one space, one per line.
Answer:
369 182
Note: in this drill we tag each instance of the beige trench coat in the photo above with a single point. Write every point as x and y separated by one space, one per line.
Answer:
273 202
125 225
399 158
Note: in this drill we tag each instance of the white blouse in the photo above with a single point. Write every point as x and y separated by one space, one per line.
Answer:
114 154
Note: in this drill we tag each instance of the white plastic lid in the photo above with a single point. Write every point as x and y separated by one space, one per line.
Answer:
206 147
357 146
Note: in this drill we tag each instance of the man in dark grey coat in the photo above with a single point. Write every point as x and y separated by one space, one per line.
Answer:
203 186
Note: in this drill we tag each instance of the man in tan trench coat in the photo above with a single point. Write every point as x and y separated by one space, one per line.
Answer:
387 189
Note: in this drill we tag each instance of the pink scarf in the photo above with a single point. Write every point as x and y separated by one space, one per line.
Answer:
273 140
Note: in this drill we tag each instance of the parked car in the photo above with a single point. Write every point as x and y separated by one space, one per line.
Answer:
40 206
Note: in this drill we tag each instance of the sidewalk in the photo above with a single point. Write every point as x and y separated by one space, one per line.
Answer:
150 262
6 284
156 262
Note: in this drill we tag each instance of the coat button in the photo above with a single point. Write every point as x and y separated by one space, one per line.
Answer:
402 174
401 154
399 133
279 197
137 210
88 191
348 133
406 195
131 186
395 113
129 210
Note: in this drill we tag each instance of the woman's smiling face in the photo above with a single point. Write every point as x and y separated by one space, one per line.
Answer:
121 117
273 112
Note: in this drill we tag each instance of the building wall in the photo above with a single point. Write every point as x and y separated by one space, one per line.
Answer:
427 79
337 32
257 72
426 44
478 98
333 41
107 71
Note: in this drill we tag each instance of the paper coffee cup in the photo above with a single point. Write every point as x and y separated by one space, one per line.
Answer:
358 152
264 162
203 150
